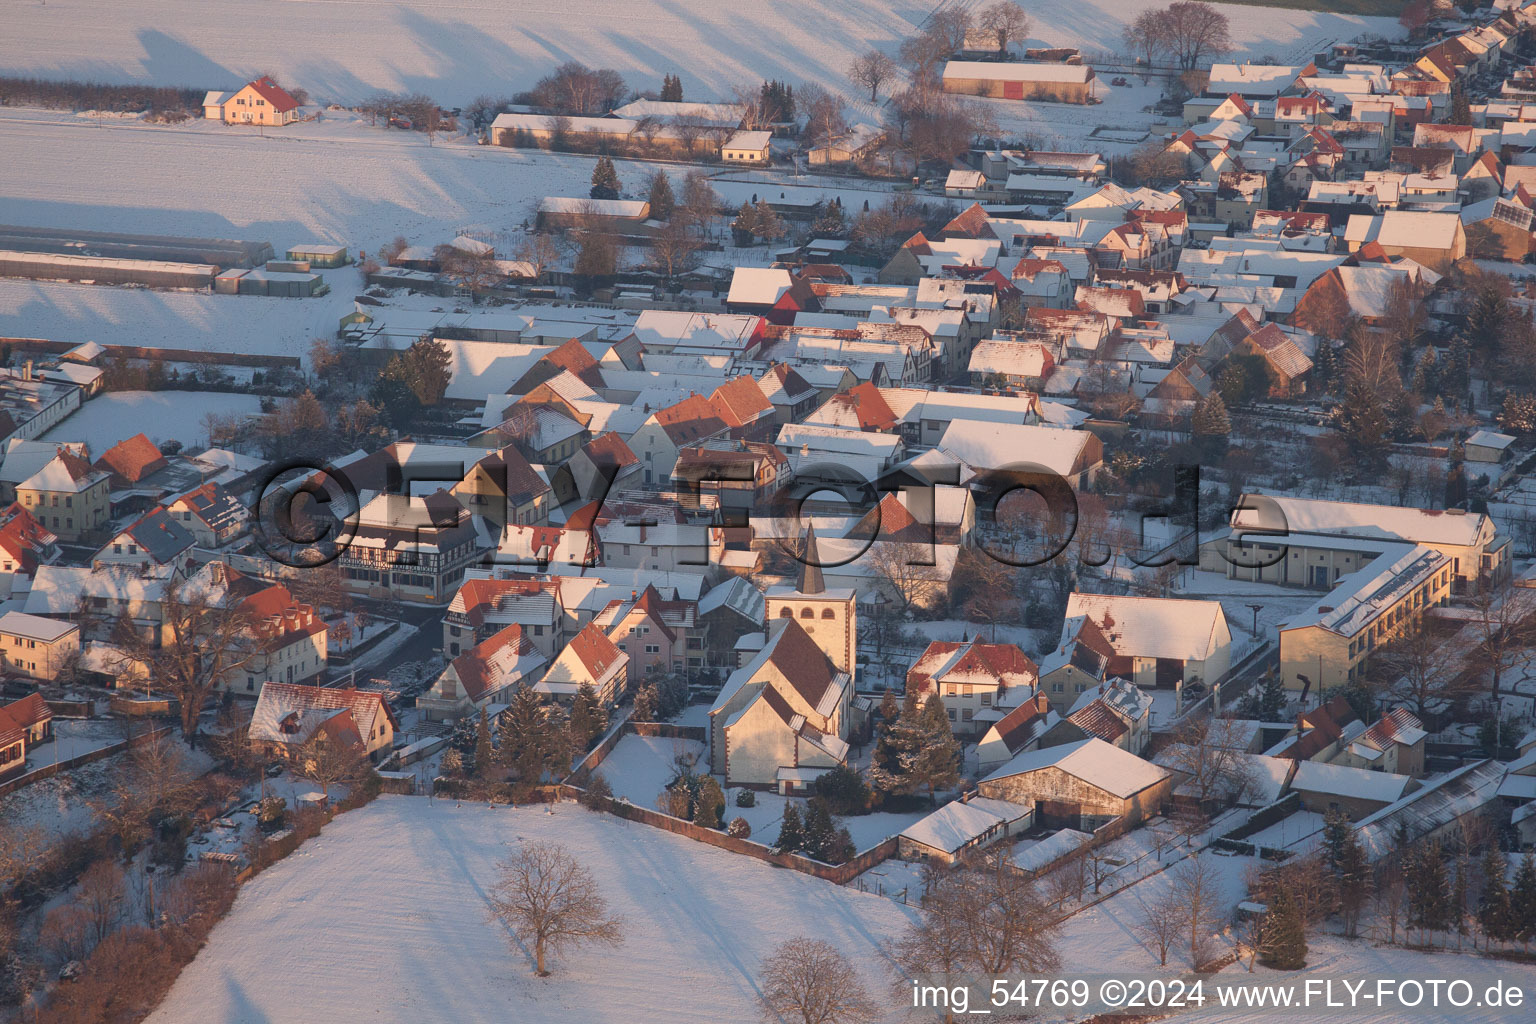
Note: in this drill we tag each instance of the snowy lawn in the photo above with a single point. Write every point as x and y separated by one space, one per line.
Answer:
640 766
161 415
385 910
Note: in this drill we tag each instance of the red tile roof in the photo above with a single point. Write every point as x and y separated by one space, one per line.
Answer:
275 95
595 651
132 460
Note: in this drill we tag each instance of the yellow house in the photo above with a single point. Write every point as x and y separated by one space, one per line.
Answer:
261 102
35 646
68 496
1331 644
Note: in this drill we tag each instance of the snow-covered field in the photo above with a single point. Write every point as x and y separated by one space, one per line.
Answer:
344 50
161 415
383 917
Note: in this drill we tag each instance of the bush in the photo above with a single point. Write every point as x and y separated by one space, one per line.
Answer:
739 829
844 790
271 813
746 798
597 794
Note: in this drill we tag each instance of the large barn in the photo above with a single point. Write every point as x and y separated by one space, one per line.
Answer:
1081 785
1058 83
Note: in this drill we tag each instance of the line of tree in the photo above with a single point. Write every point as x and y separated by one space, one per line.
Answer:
816 834
1187 33
65 94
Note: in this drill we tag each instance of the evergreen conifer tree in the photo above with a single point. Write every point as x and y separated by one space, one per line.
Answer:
1285 934
1429 891
672 89
936 761
605 180
663 201
1325 367
1522 901
791 833
1494 910
1337 834
588 717
708 803
820 832
484 757
1211 425
744 227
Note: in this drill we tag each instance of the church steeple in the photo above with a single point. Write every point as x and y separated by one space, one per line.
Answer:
811 581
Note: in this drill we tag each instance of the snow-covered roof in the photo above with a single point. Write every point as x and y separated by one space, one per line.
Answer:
1152 627
1102 765
984 446
755 141
34 627
1415 229
1363 596
1439 803
759 286
1273 513
960 70
1050 849
1351 783
632 208
1491 439
956 824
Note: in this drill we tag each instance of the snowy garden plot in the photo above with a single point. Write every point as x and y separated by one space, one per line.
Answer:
457 49
409 939
162 416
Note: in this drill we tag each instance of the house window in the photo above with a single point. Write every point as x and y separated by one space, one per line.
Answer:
828 613
652 648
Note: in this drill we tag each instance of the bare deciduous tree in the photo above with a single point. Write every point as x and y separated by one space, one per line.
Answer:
872 70
1195 886
908 571
100 893
1419 666
808 981
1195 32
1209 755
674 250
1006 21
204 637
327 761
550 901
1162 919
540 251
986 918
1505 628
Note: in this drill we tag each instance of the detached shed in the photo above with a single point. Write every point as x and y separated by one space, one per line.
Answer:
1058 83
962 826
1488 446
747 148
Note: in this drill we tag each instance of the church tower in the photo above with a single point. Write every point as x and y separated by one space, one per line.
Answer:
828 615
